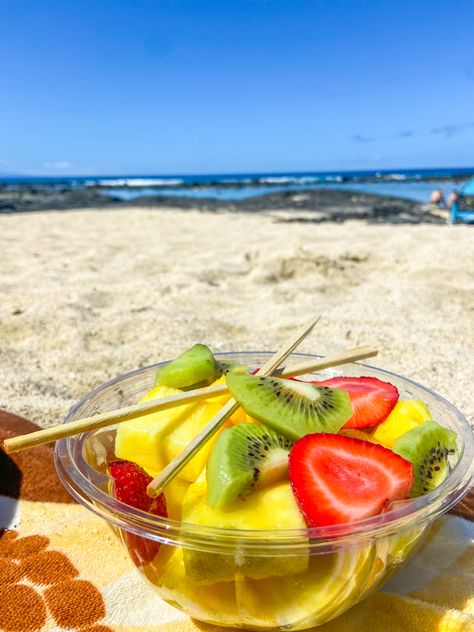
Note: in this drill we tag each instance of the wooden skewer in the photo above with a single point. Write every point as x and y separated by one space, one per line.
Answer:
176 465
351 355
112 417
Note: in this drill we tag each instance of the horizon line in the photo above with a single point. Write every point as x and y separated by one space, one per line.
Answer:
4 175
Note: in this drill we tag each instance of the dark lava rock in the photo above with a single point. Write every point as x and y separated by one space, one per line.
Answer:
318 205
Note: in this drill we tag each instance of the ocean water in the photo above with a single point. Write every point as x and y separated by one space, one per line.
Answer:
419 191
415 184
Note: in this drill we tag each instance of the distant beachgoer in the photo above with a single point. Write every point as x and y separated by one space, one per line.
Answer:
453 197
437 198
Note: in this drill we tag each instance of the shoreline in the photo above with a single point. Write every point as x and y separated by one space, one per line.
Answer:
321 205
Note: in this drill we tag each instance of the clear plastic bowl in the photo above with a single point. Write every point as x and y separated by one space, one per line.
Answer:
292 579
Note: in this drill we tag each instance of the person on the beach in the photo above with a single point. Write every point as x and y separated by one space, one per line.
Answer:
453 197
437 198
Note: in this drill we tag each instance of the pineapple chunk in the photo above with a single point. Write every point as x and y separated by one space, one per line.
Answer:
355 433
174 494
405 415
269 508
224 398
216 601
240 415
332 583
155 439
141 440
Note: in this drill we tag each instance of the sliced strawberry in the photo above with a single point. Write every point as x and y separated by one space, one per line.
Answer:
338 479
131 482
371 399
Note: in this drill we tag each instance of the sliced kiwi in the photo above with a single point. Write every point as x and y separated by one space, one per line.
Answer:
227 366
428 447
290 407
244 456
195 366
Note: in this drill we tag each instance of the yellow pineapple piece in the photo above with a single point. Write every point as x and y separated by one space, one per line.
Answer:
199 416
174 492
141 440
239 416
358 434
215 602
155 439
251 420
405 415
268 508
224 398
333 582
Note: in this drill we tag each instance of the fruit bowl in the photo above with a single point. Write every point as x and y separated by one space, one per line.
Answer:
259 579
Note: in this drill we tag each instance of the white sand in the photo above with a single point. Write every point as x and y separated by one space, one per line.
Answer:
89 295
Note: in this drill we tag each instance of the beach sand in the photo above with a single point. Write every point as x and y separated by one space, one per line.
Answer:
88 295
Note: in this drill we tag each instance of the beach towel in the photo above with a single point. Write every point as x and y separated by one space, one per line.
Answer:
63 570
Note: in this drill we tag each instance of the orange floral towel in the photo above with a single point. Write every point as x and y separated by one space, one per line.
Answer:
62 569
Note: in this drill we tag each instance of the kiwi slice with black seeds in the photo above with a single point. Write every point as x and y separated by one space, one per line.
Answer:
227 366
291 407
428 447
196 366
243 457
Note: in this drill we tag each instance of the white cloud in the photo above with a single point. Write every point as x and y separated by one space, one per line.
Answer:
58 164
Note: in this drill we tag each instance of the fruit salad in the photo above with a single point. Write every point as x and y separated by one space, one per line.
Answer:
296 456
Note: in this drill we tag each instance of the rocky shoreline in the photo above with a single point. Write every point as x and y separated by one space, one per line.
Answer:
314 206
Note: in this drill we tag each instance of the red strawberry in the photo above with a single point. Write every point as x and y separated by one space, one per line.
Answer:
338 479
131 482
371 399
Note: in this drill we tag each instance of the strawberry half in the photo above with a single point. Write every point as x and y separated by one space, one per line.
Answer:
371 399
131 482
338 479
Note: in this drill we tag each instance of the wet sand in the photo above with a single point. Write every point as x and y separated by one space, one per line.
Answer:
87 295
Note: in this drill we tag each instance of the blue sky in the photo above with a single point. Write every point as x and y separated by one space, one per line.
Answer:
202 86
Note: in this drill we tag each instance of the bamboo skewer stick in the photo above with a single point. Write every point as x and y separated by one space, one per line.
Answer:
48 435
88 424
351 355
176 465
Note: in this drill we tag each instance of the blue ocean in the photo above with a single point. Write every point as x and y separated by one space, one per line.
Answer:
414 184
